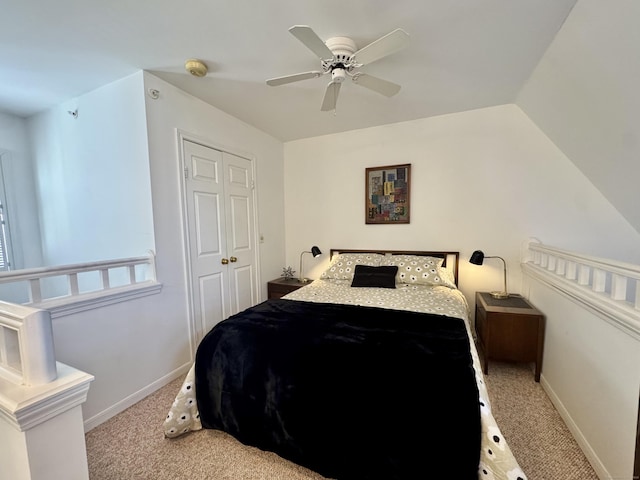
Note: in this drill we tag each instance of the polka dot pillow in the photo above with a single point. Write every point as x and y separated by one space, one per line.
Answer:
343 266
416 270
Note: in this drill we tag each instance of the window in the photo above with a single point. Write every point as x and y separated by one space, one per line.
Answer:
4 234
5 249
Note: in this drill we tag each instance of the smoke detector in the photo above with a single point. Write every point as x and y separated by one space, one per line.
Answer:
196 67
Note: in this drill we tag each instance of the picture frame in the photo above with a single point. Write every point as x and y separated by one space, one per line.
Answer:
388 194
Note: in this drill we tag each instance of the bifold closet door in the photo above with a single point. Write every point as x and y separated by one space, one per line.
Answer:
220 219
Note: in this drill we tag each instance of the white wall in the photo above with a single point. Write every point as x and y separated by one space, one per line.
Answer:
591 371
92 175
132 348
484 179
22 205
175 110
135 347
95 197
584 95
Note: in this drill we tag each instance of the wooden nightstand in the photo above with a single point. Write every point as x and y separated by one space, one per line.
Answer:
509 329
281 286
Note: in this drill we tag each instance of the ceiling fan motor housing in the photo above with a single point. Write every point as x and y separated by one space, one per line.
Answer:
341 46
343 49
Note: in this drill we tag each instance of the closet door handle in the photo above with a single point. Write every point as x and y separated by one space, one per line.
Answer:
233 259
224 261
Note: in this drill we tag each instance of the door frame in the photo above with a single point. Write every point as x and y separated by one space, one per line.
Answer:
181 137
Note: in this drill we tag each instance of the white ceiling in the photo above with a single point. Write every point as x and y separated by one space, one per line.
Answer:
464 54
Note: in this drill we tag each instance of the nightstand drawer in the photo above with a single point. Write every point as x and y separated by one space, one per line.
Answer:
514 337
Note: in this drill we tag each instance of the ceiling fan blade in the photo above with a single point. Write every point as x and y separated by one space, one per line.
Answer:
296 77
384 87
390 43
330 97
312 41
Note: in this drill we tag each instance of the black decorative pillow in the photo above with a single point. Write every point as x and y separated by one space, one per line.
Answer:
381 277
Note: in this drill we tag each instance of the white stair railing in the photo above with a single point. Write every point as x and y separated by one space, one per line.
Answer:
72 288
27 356
608 287
41 399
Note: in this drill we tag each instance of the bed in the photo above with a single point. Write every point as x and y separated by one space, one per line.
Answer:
368 372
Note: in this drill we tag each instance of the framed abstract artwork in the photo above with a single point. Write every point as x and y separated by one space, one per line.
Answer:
387 192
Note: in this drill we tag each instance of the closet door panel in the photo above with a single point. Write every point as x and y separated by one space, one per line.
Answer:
240 232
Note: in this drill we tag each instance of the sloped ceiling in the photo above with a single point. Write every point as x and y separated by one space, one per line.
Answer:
585 96
463 54
577 80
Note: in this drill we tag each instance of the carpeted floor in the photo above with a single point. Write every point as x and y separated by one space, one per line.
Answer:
131 446
537 435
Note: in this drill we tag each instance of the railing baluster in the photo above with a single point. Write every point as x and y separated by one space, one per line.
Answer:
73 284
583 274
561 266
572 271
599 280
544 260
35 292
618 287
104 275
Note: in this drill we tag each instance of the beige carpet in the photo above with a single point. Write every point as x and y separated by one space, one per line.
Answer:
538 437
131 446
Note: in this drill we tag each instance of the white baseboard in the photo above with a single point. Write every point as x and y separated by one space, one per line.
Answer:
584 445
134 398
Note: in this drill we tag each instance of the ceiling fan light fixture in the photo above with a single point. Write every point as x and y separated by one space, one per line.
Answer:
338 75
196 67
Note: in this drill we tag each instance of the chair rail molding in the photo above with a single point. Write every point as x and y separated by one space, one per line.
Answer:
608 288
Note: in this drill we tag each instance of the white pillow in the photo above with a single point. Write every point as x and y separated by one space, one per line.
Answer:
343 266
416 269
447 278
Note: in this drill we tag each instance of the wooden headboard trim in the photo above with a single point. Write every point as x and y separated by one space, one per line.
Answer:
449 257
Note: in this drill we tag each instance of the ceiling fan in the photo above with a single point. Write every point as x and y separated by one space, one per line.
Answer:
339 57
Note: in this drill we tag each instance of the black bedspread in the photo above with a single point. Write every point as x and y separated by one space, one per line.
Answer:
350 392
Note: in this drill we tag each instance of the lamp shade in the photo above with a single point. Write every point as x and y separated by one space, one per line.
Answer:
477 257
315 251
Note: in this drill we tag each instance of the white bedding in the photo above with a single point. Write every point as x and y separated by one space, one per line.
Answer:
496 459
